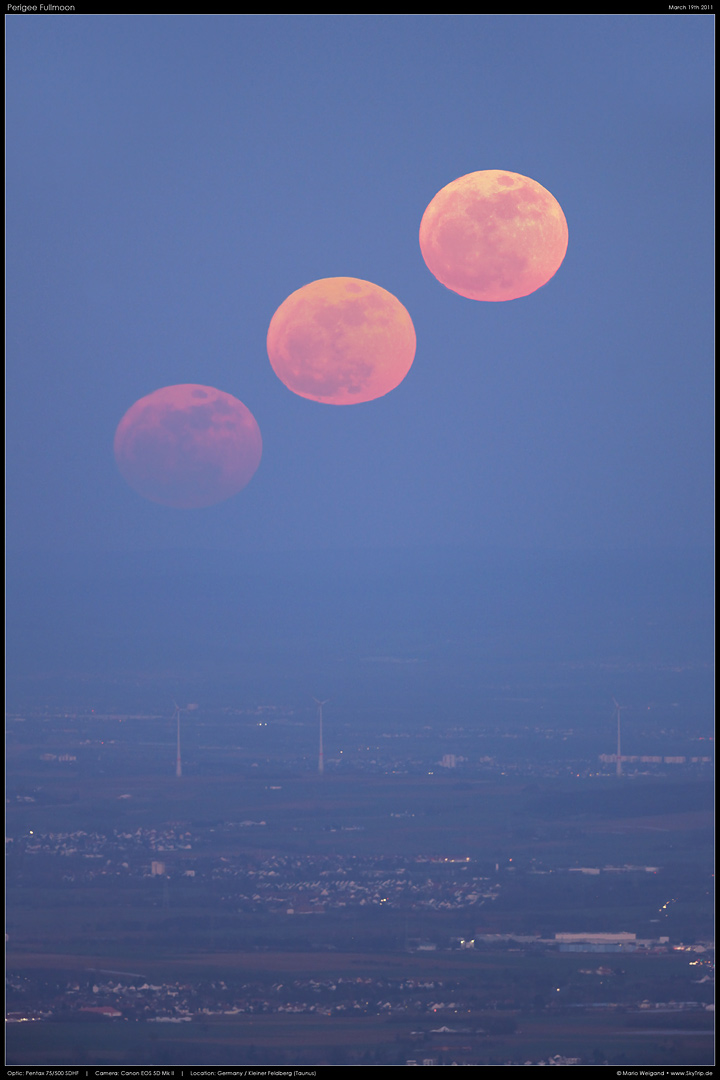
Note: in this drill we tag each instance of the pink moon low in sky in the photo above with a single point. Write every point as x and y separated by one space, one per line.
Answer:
341 341
493 235
188 446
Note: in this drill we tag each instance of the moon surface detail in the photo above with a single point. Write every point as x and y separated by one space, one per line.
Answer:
188 446
341 341
493 235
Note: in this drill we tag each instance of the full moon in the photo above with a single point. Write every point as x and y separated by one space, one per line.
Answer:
341 341
493 235
188 446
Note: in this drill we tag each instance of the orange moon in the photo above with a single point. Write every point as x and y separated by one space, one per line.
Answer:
188 446
493 235
341 341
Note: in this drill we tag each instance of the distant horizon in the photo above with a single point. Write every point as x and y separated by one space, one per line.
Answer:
270 549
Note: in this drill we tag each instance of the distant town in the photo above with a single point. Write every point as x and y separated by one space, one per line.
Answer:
434 894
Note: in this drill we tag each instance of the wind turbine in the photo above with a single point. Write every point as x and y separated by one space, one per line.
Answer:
321 762
178 762
178 710
618 766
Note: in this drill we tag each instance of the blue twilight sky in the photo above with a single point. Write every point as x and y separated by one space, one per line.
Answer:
171 179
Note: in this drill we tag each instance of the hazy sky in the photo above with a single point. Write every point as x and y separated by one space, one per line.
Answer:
171 179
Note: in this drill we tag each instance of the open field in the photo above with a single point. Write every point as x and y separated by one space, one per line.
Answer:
471 967
432 815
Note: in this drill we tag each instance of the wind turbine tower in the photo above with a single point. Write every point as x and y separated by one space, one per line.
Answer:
178 762
618 760
321 761
178 759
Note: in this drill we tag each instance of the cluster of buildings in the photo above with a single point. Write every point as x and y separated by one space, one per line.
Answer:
298 884
135 998
173 1002
655 759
